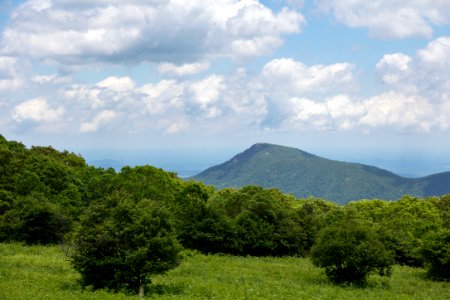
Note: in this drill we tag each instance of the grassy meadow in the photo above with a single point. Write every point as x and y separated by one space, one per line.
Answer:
42 272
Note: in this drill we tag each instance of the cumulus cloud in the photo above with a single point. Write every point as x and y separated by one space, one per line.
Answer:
159 97
398 110
296 78
117 84
10 77
37 110
76 33
425 74
437 53
101 118
185 69
394 68
390 18
417 98
284 95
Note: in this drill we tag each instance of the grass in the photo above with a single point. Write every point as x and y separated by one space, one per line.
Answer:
40 272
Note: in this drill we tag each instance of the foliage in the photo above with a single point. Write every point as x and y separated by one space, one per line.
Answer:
120 243
33 220
262 220
436 254
350 250
198 225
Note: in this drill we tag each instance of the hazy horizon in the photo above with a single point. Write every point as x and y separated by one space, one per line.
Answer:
187 164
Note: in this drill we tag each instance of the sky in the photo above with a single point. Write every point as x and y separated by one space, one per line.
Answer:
189 83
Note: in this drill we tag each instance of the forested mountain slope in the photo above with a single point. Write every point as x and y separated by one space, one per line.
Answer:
303 174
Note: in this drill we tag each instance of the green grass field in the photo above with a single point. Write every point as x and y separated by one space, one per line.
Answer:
40 272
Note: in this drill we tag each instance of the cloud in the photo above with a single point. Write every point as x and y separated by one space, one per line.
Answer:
185 69
394 67
425 74
50 79
437 53
389 18
72 33
37 110
417 97
400 111
285 95
162 96
388 110
117 84
101 118
296 78
10 75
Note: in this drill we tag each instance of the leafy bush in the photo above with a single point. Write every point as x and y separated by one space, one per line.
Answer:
33 220
350 250
436 254
120 243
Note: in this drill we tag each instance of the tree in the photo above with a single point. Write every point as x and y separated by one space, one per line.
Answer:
350 250
33 220
120 243
435 252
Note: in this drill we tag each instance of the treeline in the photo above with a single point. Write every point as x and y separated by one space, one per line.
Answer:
46 196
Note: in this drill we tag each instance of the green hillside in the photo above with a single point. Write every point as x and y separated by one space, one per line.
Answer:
303 174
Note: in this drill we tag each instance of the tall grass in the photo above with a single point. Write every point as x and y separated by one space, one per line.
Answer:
40 272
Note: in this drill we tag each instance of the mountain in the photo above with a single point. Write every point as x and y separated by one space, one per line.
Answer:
303 174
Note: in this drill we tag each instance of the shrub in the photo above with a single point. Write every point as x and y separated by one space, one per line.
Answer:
350 250
436 254
120 243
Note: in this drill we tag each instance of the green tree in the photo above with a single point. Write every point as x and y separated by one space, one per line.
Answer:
120 243
34 220
435 252
350 250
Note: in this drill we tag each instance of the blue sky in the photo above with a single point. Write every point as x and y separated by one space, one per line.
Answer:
352 80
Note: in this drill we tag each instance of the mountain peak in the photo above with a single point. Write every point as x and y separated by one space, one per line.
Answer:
303 174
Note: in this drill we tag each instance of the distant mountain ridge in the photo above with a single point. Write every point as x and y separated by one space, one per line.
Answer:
304 174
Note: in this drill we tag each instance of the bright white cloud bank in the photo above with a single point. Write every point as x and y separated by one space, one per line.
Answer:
390 18
187 42
37 110
287 95
82 32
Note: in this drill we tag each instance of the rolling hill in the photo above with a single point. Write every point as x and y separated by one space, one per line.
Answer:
303 174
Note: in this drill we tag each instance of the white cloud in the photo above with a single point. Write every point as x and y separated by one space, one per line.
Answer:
296 78
393 109
207 91
37 110
426 74
390 18
48 79
74 33
185 69
117 84
100 119
437 53
394 68
160 97
84 95
389 110
10 77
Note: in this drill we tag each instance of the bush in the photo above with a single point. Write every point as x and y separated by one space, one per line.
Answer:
436 254
120 243
34 220
350 250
